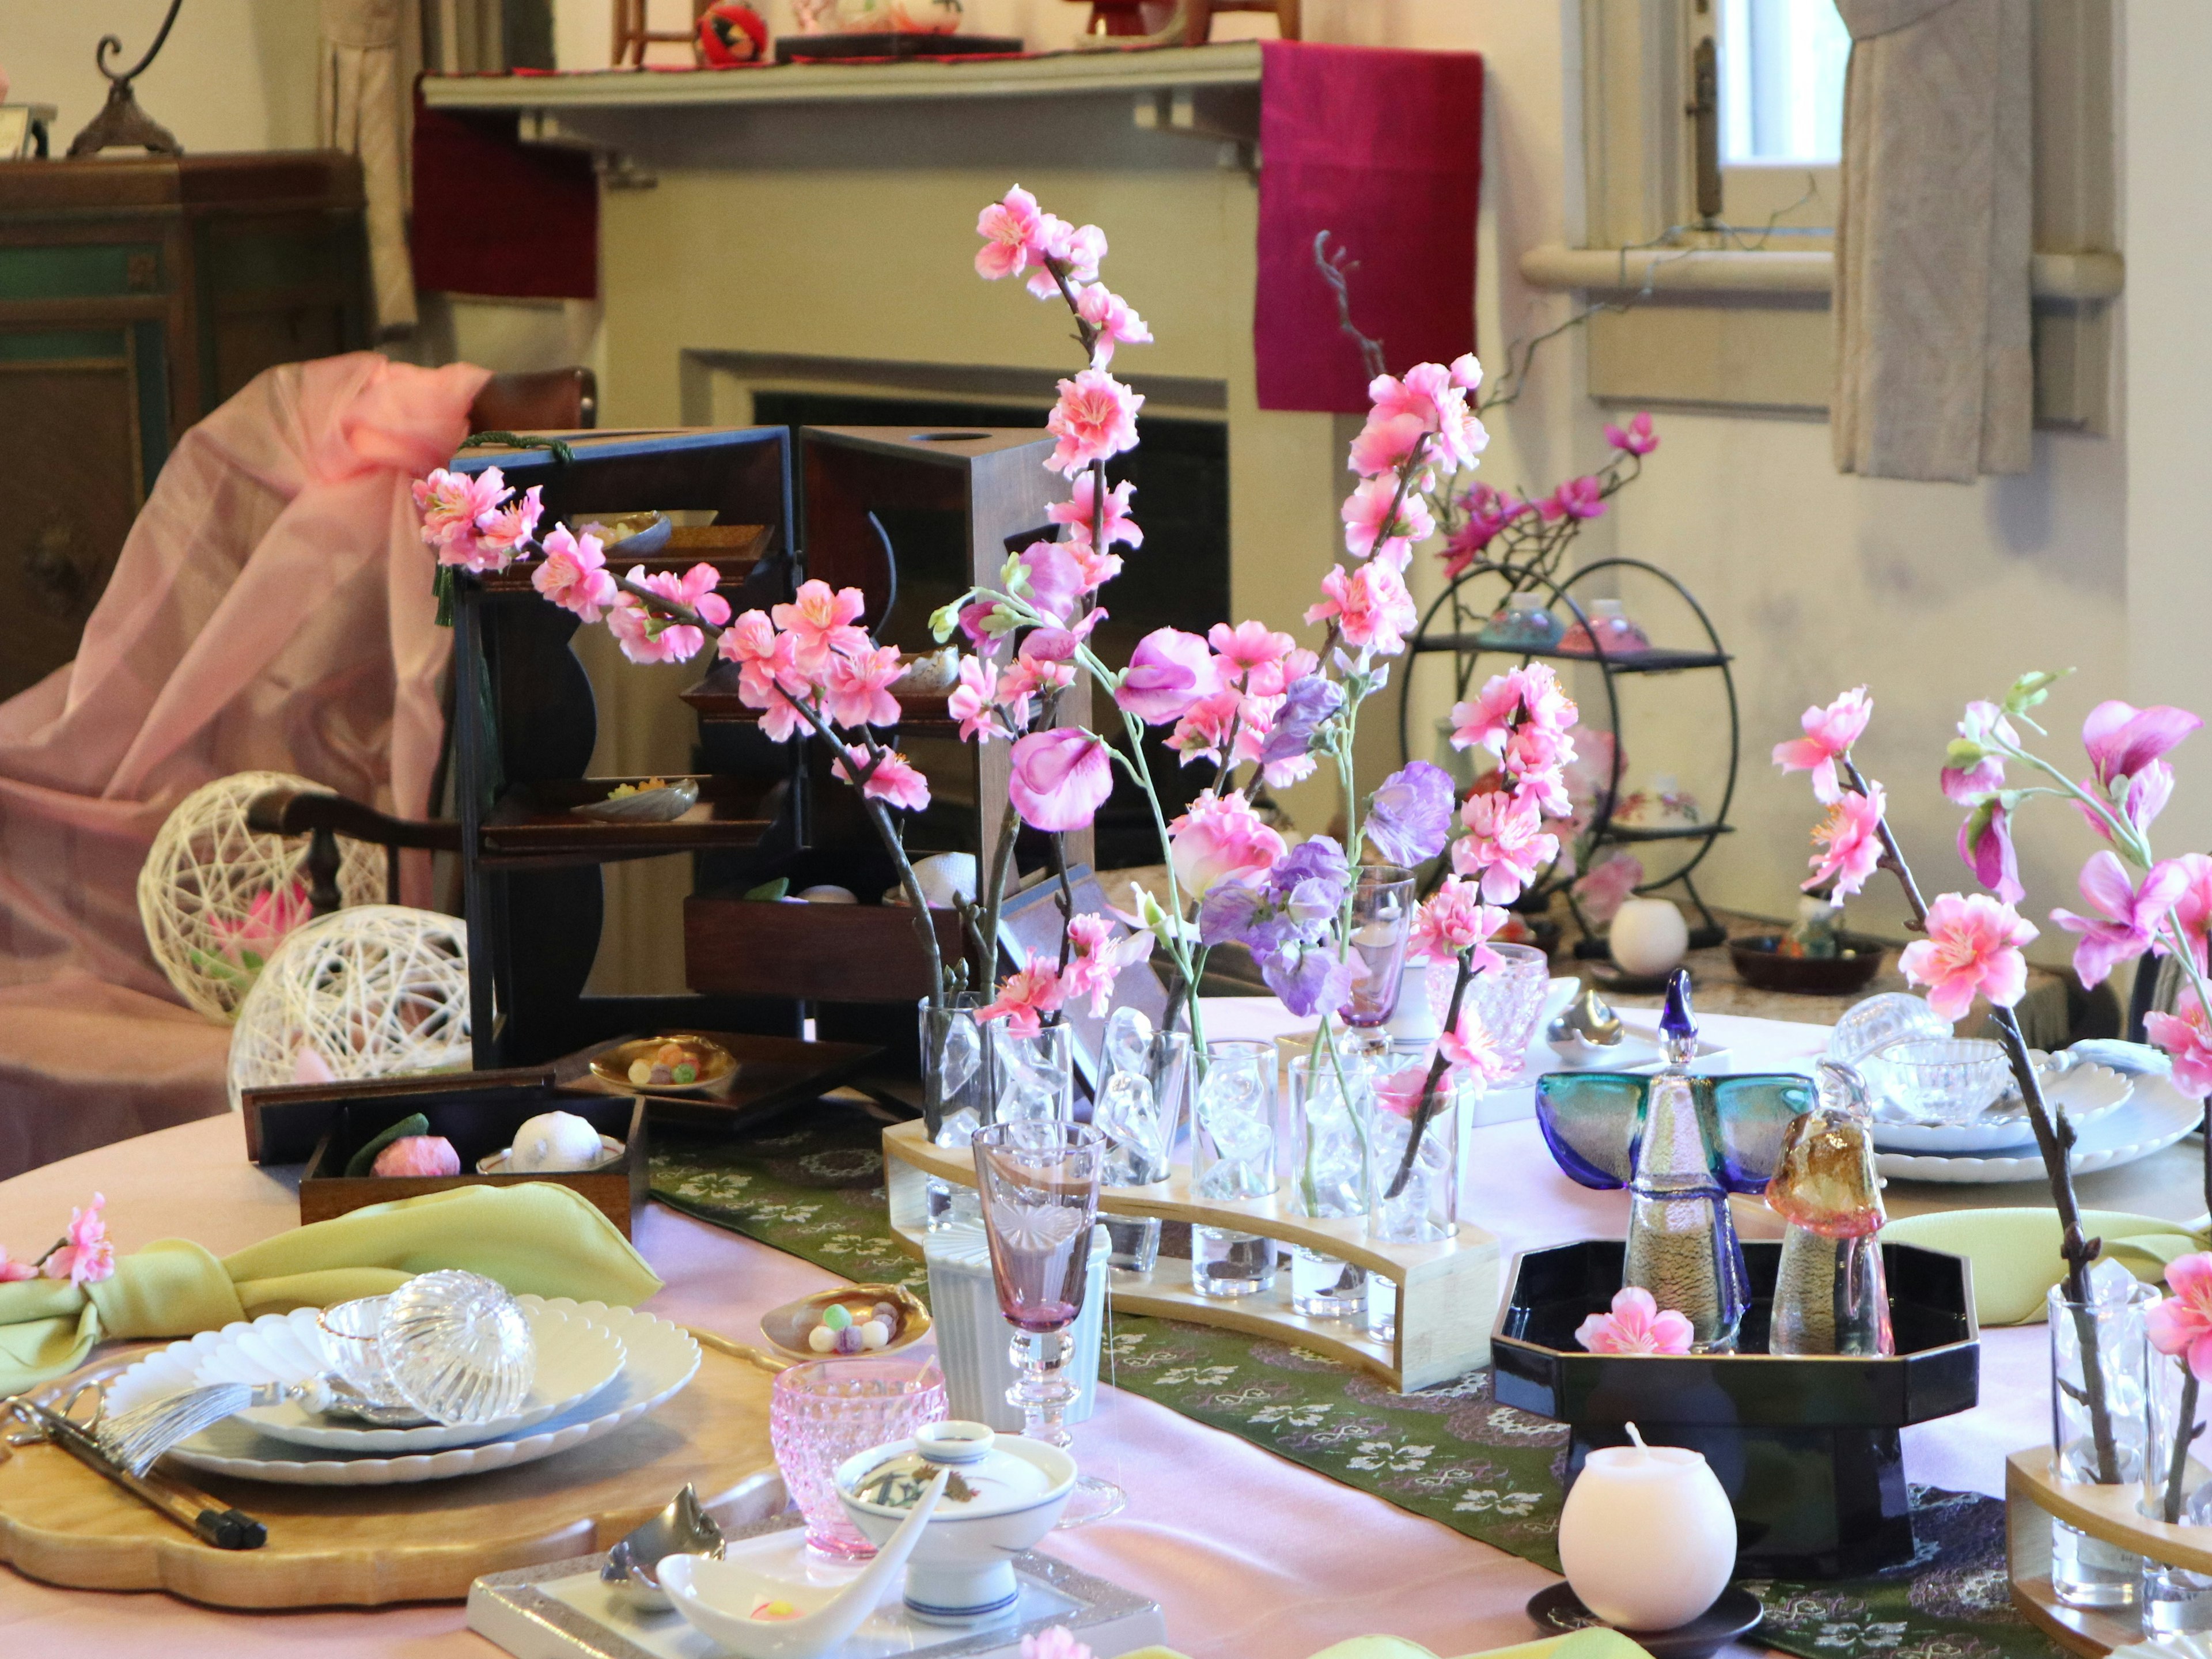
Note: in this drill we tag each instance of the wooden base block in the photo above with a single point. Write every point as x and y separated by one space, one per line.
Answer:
2036 1499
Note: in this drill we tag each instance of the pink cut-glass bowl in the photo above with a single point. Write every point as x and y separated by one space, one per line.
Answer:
822 1412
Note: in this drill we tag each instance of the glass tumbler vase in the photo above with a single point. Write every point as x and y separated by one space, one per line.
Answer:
2100 1429
2177 1489
1382 919
1233 1156
1330 1103
1140 1111
956 1084
822 1412
1030 1078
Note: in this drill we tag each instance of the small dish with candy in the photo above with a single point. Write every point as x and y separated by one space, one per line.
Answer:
678 1063
854 1321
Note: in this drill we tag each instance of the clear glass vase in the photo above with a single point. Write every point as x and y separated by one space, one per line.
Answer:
1232 1156
1140 1111
1423 1208
2099 1427
2177 1489
1030 1079
1331 1100
956 1084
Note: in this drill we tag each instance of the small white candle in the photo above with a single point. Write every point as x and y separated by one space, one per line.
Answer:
1647 1538
1648 937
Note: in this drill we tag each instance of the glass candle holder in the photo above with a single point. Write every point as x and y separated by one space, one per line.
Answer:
1140 1111
1233 1156
1330 1103
822 1412
1030 1078
2177 1489
1382 919
955 1082
2098 1357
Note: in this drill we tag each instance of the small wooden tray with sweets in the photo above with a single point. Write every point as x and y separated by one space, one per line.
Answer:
1447 1291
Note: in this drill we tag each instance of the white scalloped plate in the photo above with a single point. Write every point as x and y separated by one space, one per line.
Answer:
2155 1116
659 1360
577 1357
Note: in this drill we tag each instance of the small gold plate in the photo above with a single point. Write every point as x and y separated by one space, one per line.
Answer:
716 1064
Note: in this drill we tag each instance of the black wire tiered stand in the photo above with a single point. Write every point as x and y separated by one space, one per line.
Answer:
1455 625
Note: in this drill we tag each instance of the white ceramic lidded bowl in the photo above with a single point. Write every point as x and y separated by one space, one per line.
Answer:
1006 1495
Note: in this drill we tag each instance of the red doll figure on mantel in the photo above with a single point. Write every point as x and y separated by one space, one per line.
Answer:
733 35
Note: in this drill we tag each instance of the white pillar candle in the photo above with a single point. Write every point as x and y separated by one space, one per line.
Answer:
1648 936
1646 1537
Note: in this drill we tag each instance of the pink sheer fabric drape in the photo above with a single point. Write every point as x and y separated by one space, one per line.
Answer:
271 609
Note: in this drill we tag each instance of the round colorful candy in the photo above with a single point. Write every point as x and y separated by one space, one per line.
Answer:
848 1339
822 1339
874 1333
836 1316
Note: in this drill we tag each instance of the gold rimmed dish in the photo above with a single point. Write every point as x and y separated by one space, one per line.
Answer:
786 1327
715 1064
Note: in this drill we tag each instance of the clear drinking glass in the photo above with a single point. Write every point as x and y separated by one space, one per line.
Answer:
1030 1078
1423 1208
1139 1110
1381 918
1233 1156
2086 1572
1039 1183
953 1079
1509 997
822 1412
1330 1103
1943 1079
2177 1491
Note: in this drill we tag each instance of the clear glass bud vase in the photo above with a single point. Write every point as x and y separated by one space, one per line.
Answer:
957 1085
2177 1489
1330 1104
2100 1426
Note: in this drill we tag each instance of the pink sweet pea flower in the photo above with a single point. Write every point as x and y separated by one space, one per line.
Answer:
2185 1037
2127 915
452 503
1851 840
820 624
1098 958
1052 580
1577 498
1829 734
1007 227
1253 656
574 574
1973 945
2193 905
85 1256
1060 778
1378 524
1971 785
895 781
858 687
1636 1325
1455 918
1168 671
1081 506
1986 843
1025 996
1220 839
2181 1324
2123 739
1505 844
1112 316
1369 605
1637 438
973 700
1095 419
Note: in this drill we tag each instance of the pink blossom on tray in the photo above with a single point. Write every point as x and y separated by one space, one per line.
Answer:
10 1270
1054 1642
85 1255
1025 996
1829 734
574 574
1636 1325
1849 839
1060 778
1095 419
2180 1323
2127 915
1973 946
417 1155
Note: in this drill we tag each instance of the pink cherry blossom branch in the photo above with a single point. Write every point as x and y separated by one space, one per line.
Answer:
1425 1106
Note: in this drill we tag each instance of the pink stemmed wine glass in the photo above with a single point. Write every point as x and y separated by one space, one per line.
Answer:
1039 1185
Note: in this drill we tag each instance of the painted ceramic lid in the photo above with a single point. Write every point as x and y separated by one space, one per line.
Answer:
986 1479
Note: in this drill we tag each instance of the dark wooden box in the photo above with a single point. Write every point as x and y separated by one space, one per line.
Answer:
479 1124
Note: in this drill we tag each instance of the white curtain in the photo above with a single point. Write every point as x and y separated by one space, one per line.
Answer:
1935 379
363 105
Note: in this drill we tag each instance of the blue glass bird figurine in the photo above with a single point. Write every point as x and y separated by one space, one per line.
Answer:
1680 1145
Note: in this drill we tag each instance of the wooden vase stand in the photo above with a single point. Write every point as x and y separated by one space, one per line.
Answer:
2035 1498
1447 1291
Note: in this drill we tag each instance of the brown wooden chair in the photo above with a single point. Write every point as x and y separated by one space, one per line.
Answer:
542 400
632 37
1198 16
323 817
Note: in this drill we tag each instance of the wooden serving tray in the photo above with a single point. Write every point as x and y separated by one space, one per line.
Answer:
367 1545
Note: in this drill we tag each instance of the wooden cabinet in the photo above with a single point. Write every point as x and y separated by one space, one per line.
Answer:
136 295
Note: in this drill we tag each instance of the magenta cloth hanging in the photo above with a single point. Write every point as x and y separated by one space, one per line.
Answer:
1384 148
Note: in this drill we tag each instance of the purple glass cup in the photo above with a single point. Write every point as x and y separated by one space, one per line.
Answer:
822 1412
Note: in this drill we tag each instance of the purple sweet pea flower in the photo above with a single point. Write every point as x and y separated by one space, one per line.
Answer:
1318 860
1234 912
1409 819
1312 982
1306 704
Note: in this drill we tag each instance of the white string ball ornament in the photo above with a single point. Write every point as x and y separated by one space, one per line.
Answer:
199 888
365 993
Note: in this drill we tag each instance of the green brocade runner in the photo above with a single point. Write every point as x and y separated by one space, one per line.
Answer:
1452 1454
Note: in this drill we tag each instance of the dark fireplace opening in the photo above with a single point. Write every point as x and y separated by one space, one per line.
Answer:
1178 579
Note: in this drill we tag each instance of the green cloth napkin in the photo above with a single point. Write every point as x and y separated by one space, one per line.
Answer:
1596 1642
2015 1252
536 1238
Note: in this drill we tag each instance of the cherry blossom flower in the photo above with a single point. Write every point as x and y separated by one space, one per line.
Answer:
1473 1054
1217 838
1434 398
85 1255
1401 1091
1378 523
1030 674
1636 1325
1060 778
858 687
1409 816
2127 917
1095 420
1454 919
1577 498
1210 726
820 624
1008 226
1505 844
1168 671
1973 945
1253 655
2123 739
1526 696
10 1272
1054 1642
1829 734
973 700
1369 605
574 574
1025 996
1081 507
2185 1037
896 780
1488 512
647 638
452 503
2181 1324
1386 443
1097 959
1115 321
1850 842
1637 438
1077 250
1603 891
501 535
